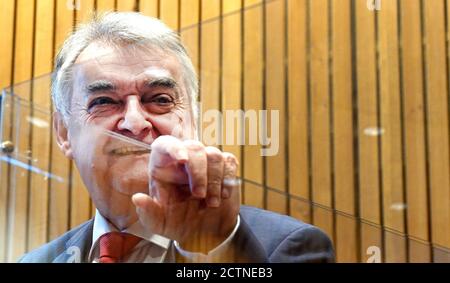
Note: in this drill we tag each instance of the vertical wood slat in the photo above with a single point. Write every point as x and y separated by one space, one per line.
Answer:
126 5
368 177
23 43
23 57
275 98
149 8
105 5
413 116
168 13
59 191
231 75
391 138
84 11
320 115
6 59
253 101
298 110
346 237
437 123
40 143
6 37
190 29
447 257
19 195
210 60
5 188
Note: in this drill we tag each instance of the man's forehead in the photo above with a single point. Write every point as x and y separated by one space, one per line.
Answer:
156 73
98 61
100 54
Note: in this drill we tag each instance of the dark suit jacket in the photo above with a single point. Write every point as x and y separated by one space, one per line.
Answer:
262 236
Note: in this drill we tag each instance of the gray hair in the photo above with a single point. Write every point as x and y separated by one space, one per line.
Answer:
115 28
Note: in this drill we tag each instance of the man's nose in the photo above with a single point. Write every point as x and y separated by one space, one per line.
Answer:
135 120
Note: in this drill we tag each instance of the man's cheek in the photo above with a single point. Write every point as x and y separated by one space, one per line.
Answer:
180 126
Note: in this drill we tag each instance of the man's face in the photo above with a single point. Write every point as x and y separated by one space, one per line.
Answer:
136 93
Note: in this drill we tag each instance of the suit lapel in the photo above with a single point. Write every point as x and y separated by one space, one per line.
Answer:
246 245
78 246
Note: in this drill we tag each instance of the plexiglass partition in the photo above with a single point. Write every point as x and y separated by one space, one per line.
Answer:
32 187
36 201
326 130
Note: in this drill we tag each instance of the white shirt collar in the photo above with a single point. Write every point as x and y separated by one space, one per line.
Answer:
103 226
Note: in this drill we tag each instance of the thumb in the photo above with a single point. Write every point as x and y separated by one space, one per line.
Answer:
150 212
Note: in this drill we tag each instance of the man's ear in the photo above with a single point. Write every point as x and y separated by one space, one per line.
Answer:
62 135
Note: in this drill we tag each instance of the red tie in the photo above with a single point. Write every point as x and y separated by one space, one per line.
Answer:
116 245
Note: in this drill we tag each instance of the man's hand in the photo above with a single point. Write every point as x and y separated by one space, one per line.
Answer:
194 197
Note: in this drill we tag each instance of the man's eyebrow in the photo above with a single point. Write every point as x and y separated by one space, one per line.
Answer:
161 82
100 86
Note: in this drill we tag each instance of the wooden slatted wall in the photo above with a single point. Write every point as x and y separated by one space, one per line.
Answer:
362 97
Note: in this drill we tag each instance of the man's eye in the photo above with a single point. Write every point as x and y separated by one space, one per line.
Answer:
101 101
162 100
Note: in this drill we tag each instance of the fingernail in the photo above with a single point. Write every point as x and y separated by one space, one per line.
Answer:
137 199
213 201
182 154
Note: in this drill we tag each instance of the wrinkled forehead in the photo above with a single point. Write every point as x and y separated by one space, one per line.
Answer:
126 62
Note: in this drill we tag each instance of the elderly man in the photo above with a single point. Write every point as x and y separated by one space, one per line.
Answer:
128 74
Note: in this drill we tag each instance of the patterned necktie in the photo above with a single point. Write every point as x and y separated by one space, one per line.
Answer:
114 246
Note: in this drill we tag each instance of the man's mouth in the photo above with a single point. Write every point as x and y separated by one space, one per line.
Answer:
129 150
